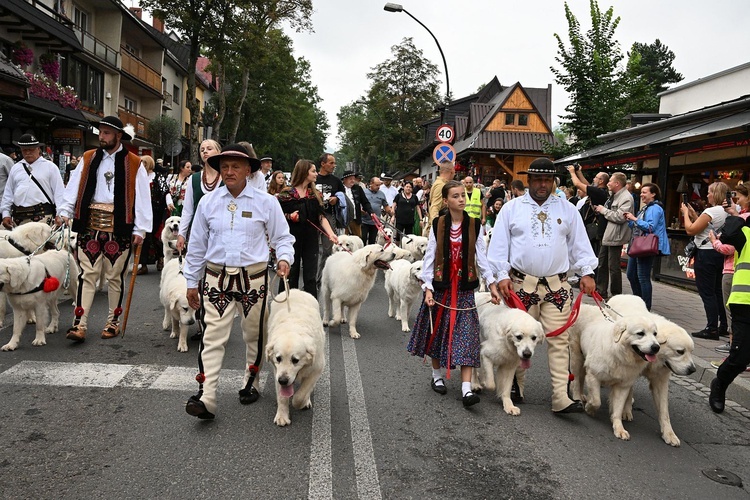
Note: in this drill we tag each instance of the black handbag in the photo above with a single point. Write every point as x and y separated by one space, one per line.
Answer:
691 249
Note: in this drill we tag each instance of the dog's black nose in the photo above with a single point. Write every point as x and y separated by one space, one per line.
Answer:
527 353
654 348
283 380
191 322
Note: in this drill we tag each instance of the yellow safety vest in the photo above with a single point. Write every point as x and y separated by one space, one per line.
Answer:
741 280
474 203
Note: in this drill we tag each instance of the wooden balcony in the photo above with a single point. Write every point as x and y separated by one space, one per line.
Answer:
140 71
138 121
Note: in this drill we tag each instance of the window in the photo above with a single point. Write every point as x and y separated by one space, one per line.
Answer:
176 95
523 120
130 105
130 49
510 118
80 18
87 81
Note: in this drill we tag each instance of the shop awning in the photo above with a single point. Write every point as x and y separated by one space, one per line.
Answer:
48 108
726 123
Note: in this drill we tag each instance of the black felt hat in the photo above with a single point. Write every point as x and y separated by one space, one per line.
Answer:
348 173
28 141
234 151
116 123
541 166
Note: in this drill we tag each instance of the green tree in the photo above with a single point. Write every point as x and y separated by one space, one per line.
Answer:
165 132
403 93
591 75
649 71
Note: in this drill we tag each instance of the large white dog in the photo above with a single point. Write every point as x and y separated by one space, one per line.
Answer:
614 355
509 337
347 280
380 240
675 356
417 245
21 241
403 284
178 315
296 348
169 237
24 280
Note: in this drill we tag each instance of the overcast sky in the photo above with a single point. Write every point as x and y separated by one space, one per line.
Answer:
513 40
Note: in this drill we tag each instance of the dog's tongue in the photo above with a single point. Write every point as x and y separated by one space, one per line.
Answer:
650 358
287 391
525 363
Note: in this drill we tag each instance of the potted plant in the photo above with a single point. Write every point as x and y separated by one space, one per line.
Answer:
50 66
21 54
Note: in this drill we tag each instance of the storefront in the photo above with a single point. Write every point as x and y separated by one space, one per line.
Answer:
683 155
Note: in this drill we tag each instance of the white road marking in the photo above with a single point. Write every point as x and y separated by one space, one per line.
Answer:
165 378
321 471
368 483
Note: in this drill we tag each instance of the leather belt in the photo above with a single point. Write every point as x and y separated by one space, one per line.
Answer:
217 270
101 217
543 280
38 210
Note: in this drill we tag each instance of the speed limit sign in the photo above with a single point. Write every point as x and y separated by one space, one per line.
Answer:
445 133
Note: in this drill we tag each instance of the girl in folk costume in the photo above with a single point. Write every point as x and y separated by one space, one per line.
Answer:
447 326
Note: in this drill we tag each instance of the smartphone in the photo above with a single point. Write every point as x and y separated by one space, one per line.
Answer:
729 198
685 198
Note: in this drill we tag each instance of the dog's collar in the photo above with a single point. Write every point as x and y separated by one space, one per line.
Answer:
17 245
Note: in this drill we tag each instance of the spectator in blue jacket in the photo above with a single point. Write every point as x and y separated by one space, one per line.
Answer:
650 219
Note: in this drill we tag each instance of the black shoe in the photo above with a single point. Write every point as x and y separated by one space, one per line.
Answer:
470 399
197 408
196 336
723 331
515 393
440 389
249 396
717 396
707 334
574 407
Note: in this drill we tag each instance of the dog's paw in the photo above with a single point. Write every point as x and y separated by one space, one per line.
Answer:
182 347
627 415
398 317
174 335
591 409
282 420
390 315
301 405
31 321
405 328
622 434
354 334
38 342
343 321
10 346
50 329
512 410
166 326
671 439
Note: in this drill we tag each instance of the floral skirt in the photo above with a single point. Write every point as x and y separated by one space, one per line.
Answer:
465 351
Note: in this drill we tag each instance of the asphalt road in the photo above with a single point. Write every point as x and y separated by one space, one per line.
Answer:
106 419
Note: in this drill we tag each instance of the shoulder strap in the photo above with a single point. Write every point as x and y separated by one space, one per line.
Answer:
26 168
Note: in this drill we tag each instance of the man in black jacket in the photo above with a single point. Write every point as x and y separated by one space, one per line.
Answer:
328 185
357 202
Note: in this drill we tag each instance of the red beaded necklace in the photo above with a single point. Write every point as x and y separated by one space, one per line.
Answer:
212 185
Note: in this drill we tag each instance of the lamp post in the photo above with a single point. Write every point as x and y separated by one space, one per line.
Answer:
394 7
382 124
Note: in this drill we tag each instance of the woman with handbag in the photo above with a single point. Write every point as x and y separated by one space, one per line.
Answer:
708 262
650 243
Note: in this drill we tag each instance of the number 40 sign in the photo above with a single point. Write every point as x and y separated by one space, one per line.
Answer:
445 133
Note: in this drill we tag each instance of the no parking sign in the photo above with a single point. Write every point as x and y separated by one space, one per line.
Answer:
444 152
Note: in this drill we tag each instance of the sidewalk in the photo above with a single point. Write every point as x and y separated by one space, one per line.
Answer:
685 308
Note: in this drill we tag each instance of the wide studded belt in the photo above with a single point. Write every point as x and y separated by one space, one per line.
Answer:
101 217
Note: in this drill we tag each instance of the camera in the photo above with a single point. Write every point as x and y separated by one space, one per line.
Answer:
685 198
577 167
729 198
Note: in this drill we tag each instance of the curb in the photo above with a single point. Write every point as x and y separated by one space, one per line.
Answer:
739 391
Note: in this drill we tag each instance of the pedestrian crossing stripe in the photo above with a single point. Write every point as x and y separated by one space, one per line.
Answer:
159 377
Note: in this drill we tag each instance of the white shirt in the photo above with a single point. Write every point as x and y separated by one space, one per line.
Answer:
6 163
389 192
105 193
215 238
428 264
23 192
258 181
540 240
718 216
581 202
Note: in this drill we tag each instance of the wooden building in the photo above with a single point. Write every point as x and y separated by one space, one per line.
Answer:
499 131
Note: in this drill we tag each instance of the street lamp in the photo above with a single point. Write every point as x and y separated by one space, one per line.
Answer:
394 7
382 123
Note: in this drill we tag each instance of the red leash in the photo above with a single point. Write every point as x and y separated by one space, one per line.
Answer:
515 302
379 225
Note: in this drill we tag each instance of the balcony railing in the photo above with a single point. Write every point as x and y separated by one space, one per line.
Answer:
138 69
139 122
96 47
167 97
